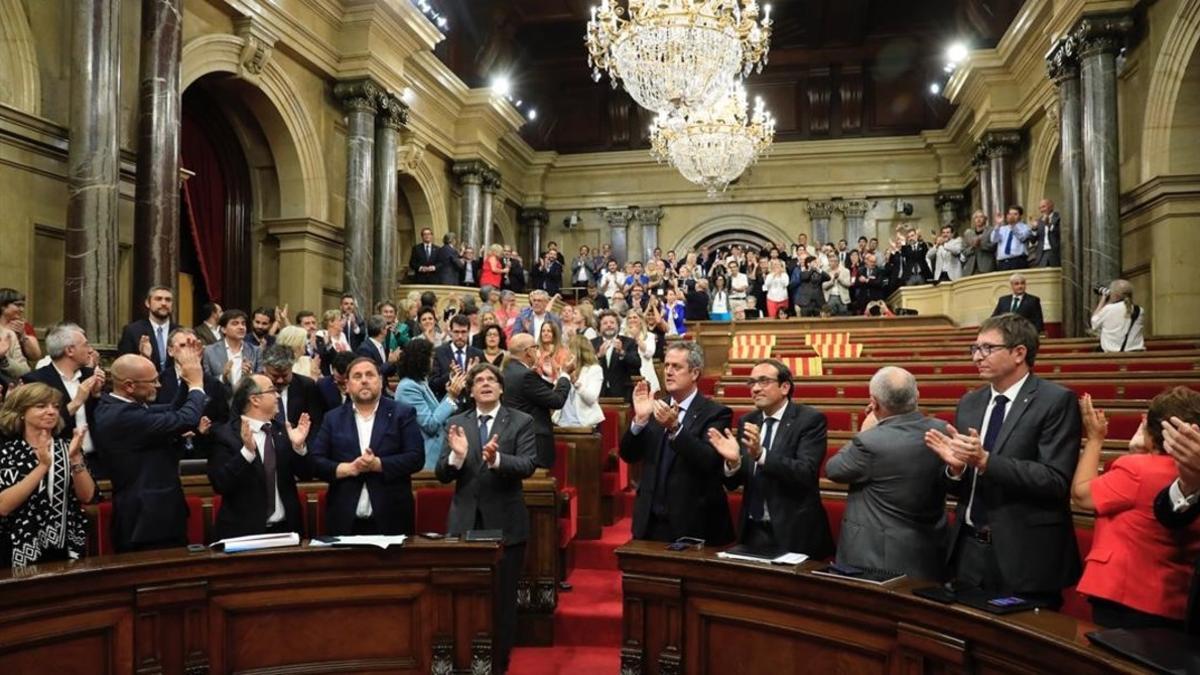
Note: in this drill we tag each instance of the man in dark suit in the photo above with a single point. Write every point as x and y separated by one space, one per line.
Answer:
458 352
1010 458
1046 233
489 450
469 276
448 261
372 347
1021 303
778 461
256 462
195 442
547 273
332 387
138 440
618 356
1178 505
70 373
681 493
354 326
298 394
534 389
148 337
873 281
368 451
209 330
422 263
896 511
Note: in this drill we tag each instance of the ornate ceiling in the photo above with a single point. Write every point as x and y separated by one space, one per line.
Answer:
838 68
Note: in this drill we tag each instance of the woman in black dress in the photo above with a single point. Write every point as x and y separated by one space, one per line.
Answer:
44 482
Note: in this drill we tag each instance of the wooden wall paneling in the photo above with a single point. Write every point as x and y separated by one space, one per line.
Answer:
87 641
850 96
819 85
166 616
659 630
537 590
922 650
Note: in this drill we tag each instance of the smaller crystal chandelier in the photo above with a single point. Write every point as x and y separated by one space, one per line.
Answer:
711 148
677 53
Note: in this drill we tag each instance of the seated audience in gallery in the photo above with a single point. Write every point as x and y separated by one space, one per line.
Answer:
1137 572
1118 321
44 481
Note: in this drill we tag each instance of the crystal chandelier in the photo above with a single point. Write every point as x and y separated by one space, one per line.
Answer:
713 147
677 53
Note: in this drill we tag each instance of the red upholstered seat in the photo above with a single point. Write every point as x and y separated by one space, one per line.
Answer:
735 508
834 510
104 535
839 420
708 385
944 389
1075 604
321 498
736 391
195 521
1123 425
946 416
831 449
738 413
431 506
808 390
1098 390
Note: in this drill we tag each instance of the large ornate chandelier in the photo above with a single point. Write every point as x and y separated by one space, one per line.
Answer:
677 53
712 147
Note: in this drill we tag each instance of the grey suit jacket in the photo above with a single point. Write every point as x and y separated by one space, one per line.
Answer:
978 260
1026 488
495 494
895 513
216 356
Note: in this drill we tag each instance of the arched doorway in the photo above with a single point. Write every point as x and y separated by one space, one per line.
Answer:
216 206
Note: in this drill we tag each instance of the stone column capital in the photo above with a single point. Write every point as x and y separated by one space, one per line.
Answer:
619 217
470 172
392 113
491 181
955 197
650 215
533 216
1001 143
821 209
358 95
856 208
1062 63
1097 34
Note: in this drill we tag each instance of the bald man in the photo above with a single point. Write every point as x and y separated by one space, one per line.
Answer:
138 438
535 388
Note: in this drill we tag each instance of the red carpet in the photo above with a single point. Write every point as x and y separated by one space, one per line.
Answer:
587 624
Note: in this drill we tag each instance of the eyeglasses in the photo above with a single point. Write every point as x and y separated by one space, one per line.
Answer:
272 390
153 380
986 350
760 381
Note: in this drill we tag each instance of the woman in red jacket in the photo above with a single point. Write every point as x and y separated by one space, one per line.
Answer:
493 268
1137 571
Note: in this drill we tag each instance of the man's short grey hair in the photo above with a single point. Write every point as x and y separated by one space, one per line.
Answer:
695 353
1016 276
895 389
376 325
485 291
279 357
539 294
62 336
507 295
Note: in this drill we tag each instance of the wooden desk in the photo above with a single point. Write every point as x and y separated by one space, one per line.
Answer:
693 613
426 607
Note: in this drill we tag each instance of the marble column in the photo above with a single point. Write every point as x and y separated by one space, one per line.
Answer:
489 188
1063 67
650 218
618 223
633 237
983 175
949 206
393 115
855 212
820 213
360 100
534 219
1099 39
470 179
156 207
1001 148
93 171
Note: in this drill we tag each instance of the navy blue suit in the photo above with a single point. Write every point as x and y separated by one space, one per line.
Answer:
331 396
139 442
396 440
369 350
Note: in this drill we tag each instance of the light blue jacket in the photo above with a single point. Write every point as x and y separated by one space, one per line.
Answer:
431 416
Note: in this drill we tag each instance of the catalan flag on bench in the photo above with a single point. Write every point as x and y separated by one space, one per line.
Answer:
839 351
814 339
751 346
803 366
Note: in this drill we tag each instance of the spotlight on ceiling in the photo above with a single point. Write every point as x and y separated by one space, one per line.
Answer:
501 86
935 88
532 114
957 52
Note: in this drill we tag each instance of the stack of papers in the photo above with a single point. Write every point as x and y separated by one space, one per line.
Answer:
774 557
257 542
376 540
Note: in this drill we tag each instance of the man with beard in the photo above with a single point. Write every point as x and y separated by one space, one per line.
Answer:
262 328
618 355
150 334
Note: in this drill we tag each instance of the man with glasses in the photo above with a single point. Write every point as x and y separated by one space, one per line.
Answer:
256 462
535 388
776 455
1009 459
682 492
138 438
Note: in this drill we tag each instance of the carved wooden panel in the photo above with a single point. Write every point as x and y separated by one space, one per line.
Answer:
850 96
83 642
586 461
819 95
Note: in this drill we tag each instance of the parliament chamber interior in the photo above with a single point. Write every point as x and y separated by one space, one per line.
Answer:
651 338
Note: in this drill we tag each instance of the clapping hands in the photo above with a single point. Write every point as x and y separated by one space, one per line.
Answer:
958 450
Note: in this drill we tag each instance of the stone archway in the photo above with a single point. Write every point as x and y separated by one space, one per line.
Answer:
761 228
20 82
1043 158
1169 72
303 187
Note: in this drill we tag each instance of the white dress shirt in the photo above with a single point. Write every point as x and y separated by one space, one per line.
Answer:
1011 394
364 424
1179 501
235 373
260 439
72 386
456 461
1112 324
762 456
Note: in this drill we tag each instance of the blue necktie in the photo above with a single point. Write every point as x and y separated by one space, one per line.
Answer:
483 430
161 335
1008 243
979 516
459 357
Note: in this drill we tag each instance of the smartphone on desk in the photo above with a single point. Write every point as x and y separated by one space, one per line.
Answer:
686 544
1010 601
